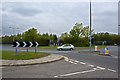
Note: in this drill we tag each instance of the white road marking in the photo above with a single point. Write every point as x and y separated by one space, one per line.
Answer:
70 61
66 60
55 76
114 56
100 67
112 70
82 63
91 65
95 68
76 61
69 74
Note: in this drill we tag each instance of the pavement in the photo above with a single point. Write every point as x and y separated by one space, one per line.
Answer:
47 59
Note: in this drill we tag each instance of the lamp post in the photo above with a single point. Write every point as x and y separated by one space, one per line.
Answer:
90 26
13 31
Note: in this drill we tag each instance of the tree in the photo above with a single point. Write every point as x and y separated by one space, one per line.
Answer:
54 37
7 39
80 31
86 32
64 35
76 32
30 35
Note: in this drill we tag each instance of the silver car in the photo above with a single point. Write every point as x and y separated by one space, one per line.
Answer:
66 47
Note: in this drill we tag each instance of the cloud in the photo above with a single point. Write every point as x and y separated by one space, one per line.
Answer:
58 17
26 11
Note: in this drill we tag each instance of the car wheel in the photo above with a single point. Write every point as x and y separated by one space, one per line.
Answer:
60 49
71 49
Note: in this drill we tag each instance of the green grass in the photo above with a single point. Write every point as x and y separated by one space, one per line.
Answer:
82 47
5 44
21 55
52 47
49 47
43 47
91 47
100 46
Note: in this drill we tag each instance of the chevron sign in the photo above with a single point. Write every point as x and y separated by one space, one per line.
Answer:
25 44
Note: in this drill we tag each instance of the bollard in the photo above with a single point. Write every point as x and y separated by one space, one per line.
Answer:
107 52
96 49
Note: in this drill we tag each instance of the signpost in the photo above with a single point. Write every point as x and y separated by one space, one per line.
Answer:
16 44
58 42
90 38
36 45
26 44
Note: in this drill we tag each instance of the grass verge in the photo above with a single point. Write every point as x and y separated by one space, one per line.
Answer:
22 55
6 45
52 47
91 47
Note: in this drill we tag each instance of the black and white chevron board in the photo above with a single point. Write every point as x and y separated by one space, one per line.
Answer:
26 44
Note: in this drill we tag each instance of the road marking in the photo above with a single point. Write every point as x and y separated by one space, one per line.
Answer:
114 56
91 65
69 74
82 63
112 70
70 61
76 61
55 76
95 68
100 67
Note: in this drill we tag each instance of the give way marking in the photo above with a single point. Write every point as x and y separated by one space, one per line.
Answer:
82 72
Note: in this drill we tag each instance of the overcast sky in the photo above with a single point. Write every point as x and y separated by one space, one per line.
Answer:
58 17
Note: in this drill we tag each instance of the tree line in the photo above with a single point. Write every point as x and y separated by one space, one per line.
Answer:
78 36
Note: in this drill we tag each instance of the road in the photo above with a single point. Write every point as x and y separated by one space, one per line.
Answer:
78 65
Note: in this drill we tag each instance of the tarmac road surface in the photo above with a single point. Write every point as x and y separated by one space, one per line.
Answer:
78 65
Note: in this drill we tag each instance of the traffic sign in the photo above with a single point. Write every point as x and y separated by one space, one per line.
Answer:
25 44
36 44
16 44
28 44
90 38
31 44
57 41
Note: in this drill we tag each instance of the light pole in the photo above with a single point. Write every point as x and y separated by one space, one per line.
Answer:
13 31
90 26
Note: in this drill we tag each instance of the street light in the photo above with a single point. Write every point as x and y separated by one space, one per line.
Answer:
13 31
90 26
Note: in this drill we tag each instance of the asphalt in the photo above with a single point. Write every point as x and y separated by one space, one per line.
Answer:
78 63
